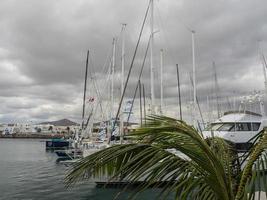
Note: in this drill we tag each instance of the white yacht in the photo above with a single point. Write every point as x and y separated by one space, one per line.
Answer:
237 127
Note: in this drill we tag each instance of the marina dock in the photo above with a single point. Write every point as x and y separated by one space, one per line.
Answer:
33 136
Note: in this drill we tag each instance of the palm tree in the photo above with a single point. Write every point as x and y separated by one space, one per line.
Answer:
169 153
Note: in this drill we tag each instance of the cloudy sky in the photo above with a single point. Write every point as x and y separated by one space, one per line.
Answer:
43 48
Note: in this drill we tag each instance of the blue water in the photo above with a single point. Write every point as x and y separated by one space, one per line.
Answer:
28 172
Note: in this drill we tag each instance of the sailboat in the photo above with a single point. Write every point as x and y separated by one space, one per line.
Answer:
74 152
112 127
107 129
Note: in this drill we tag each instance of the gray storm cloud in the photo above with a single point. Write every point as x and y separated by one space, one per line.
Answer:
43 47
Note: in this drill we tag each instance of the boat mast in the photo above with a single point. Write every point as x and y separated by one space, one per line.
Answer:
140 100
161 81
197 106
194 79
265 83
263 105
234 99
151 57
264 67
216 89
122 79
208 109
84 90
132 62
179 92
112 76
144 102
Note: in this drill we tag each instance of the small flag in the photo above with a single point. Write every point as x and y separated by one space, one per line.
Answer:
91 99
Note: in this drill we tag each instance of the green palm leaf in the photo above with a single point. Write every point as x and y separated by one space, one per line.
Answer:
171 154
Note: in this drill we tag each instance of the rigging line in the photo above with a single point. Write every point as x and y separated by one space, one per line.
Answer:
95 86
104 86
107 61
132 62
104 70
108 64
139 78
99 97
109 58
92 114
88 119
106 81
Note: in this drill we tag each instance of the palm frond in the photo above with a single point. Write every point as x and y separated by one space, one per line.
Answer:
253 177
195 165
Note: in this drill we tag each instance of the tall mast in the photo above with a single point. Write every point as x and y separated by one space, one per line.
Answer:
208 109
179 92
194 80
264 66
197 107
234 99
161 81
122 79
84 91
112 76
216 89
265 81
144 102
140 100
122 57
190 102
151 56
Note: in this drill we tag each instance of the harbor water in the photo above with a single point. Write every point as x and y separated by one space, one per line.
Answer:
29 172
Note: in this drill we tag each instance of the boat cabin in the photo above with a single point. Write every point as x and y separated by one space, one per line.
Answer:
236 127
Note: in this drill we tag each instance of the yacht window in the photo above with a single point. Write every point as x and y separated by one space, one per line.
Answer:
226 127
215 127
255 126
243 127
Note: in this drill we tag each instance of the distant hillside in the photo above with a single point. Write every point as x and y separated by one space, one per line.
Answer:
62 122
